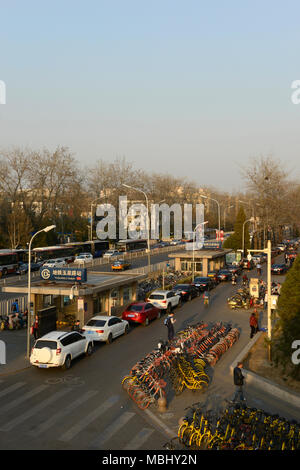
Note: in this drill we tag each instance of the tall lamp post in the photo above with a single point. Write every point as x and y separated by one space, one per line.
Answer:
219 210
249 220
46 229
148 228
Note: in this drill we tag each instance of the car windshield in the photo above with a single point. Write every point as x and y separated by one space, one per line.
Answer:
42 343
201 279
96 322
135 308
157 296
181 286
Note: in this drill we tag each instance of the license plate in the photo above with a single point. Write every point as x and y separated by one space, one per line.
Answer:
89 332
43 366
130 316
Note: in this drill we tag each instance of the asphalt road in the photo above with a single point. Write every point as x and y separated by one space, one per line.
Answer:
86 408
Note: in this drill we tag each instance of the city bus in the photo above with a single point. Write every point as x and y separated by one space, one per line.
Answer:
9 261
53 252
131 245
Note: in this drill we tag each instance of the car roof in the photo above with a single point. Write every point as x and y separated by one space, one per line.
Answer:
103 317
54 335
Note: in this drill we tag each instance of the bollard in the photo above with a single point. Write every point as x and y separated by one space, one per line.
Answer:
162 404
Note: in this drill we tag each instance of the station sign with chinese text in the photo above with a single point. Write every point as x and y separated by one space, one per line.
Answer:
63 274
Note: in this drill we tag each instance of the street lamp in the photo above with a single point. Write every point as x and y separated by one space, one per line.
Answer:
148 228
46 229
219 211
249 220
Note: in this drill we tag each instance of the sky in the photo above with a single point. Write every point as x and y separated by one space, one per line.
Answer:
194 89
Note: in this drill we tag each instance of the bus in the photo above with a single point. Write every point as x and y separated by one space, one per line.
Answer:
131 245
96 247
53 252
10 260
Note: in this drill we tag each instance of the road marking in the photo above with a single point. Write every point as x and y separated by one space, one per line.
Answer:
83 423
160 423
23 398
139 439
111 430
33 410
12 388
53 419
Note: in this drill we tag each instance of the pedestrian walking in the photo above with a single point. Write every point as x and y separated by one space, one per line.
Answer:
169 322
266 301
253 324
238 380
35 327
15 307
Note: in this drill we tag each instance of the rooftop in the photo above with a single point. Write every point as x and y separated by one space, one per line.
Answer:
96 282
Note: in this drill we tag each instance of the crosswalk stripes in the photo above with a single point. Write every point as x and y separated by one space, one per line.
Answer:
61 414
11 389
83 423
23 398
111 430
139 440
16 395
33 410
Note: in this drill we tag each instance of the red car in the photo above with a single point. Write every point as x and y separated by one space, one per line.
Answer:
141 312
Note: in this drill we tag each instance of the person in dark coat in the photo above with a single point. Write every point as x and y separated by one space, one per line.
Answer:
170 320
238 380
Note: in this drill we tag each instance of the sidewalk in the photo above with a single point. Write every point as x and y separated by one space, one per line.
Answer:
16 345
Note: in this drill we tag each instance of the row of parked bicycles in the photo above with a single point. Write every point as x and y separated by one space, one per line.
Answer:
237 427
182 362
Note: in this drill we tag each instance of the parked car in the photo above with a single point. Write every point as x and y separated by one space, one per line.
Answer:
187 291
120 265
23 267
59 348
224 275
204 283
214 276
110 253
141 312
105 328
278 269
83 258
164 299
54 263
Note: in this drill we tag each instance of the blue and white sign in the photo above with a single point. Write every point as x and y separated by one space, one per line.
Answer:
63 274
212 244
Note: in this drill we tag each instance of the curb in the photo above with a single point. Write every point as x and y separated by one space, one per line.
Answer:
262 383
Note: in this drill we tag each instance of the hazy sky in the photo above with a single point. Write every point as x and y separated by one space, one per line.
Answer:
191 88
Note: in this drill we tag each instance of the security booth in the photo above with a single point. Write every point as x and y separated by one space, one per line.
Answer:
67 297
201 262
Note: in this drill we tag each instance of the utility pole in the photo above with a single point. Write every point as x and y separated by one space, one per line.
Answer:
268 251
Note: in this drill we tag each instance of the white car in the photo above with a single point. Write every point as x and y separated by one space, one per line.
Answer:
105 328
83 258
59 348
110 253
164 299
54 263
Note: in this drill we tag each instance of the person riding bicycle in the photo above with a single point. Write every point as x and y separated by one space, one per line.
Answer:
245 279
